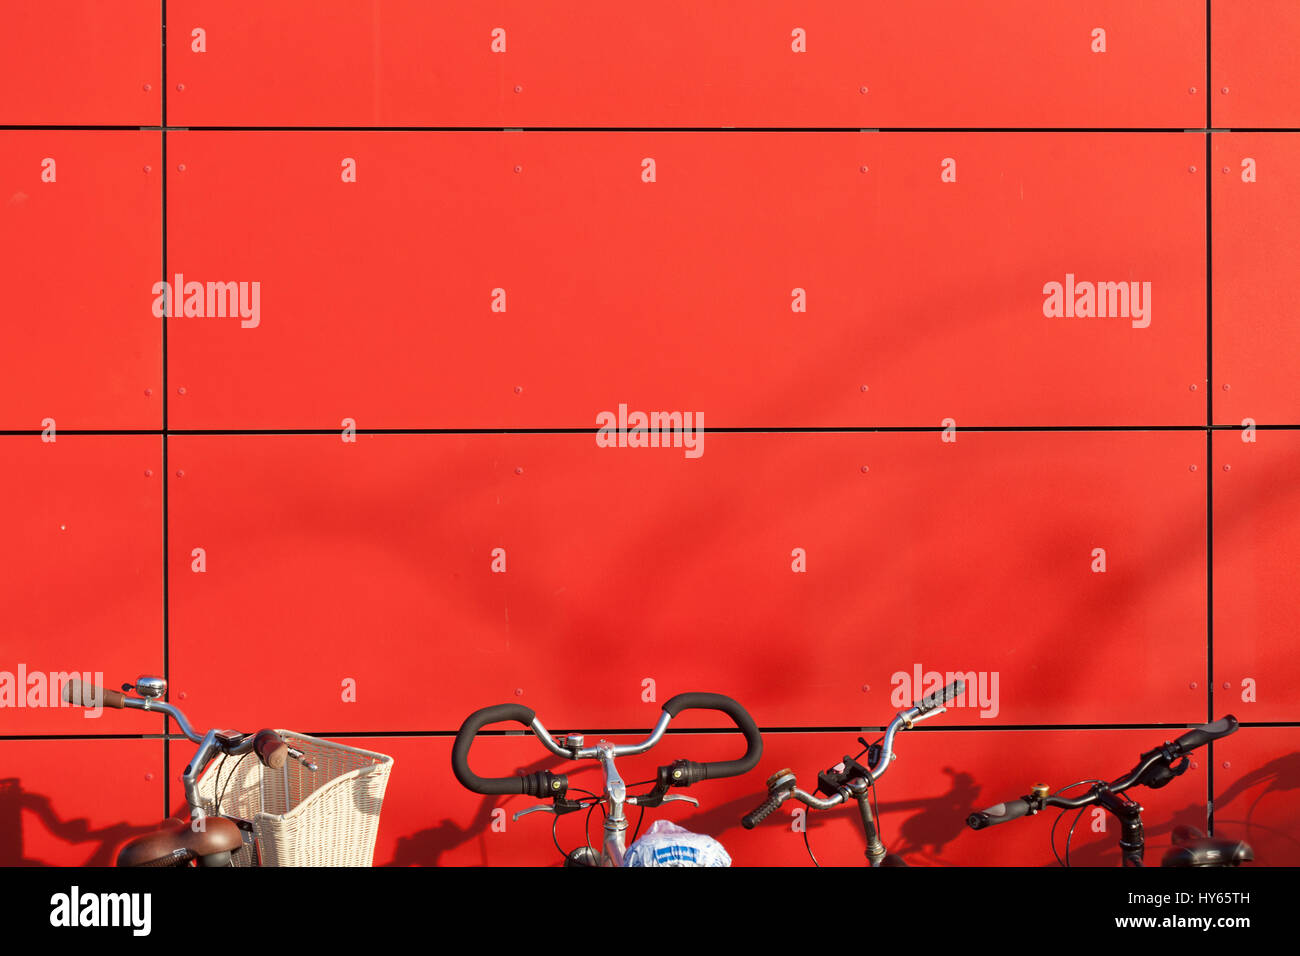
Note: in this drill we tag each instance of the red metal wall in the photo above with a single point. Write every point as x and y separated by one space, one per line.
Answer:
859 268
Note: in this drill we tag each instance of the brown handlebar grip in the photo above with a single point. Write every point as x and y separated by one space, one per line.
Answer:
88 695
271 749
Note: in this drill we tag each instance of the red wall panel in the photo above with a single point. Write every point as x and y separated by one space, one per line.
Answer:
408 63
1254 77
1256 553
74 802
634 561
924 299
1256 219
65 62
82 571
82 247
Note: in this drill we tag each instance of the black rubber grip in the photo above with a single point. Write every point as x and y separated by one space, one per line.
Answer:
1001 813
1200 736
271 749
755 817
717 769
465 739
940 697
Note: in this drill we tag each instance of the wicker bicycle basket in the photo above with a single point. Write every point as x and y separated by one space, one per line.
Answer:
328 817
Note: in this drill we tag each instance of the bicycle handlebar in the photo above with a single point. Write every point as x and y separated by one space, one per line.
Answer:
717 769
999 813
854 780
1154 769
271 749
537 784
544 783
938 698
89 695
1199 736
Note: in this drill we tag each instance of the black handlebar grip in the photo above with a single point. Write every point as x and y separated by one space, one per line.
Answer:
714 770
755 817
1001 813
940 697
1199 736
271 749
465 738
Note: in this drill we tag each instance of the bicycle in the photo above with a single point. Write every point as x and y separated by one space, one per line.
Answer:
850 779
555 787
281 818
1155 769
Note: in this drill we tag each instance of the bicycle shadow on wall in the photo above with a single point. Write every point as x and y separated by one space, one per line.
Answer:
15 801
1280 776
426 847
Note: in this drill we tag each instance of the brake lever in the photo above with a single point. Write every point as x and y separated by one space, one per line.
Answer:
301 757
558 806
540 808
670 797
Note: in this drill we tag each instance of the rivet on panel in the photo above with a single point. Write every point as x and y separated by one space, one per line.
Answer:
519 692
1227 765
1224 90
148 169
180 390
519 471
148 472
519 89
866 388
519 169
147 87
1194 765
1191 90
1191 468
180 168
180 87
148 393
148 777
1192 386
180 474
865 469
1192 685
182 695
862 169
1191 169
1227 685
862 89
63 527
1227 468
519 389
1226 170
866 688
1227 387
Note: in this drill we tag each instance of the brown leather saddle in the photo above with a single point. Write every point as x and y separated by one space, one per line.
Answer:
178 843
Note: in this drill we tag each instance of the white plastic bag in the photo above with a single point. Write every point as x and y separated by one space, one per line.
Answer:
667 844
